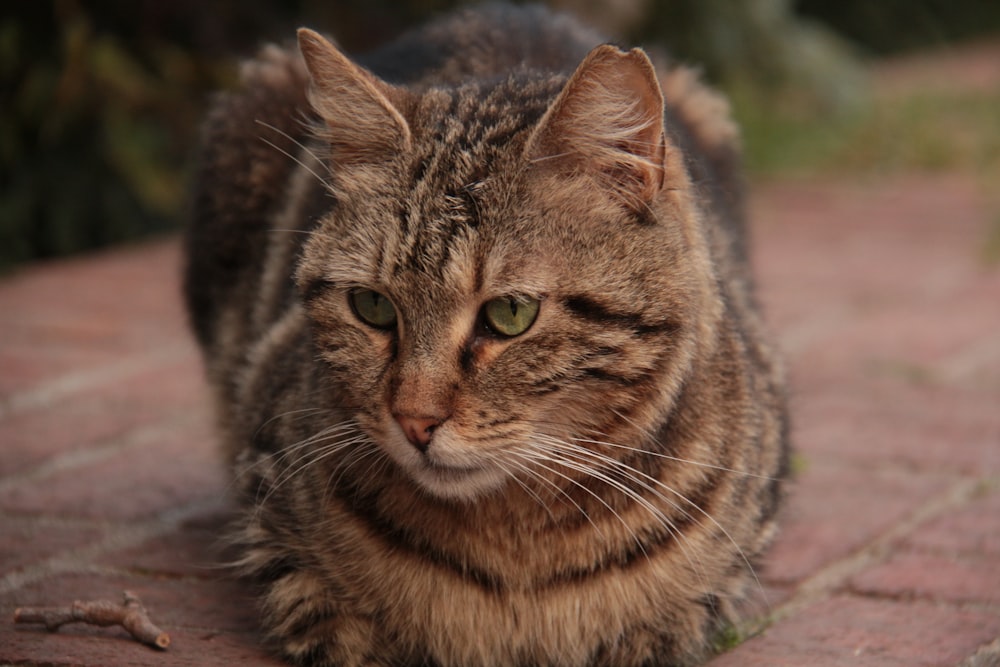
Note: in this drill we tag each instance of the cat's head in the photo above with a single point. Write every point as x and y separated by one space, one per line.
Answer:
513 269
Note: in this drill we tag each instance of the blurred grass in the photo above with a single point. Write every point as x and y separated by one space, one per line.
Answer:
915 130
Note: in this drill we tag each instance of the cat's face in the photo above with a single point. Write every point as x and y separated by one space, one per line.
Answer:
484 304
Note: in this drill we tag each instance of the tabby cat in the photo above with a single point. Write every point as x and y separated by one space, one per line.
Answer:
476 312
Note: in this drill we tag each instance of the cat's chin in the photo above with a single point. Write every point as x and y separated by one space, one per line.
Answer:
461 484
443 472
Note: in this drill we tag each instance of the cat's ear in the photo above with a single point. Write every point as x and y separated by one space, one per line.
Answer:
362 112
608 120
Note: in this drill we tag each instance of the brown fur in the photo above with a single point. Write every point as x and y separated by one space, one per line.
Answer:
594 490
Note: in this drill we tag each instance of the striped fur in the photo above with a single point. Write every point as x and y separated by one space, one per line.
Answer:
597 489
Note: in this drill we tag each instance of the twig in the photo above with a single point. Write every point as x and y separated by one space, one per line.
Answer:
130 614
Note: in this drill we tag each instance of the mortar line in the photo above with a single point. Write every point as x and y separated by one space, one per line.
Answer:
124 536
75 382
836 574
99 452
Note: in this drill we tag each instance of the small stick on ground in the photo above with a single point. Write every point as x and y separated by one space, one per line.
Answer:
130 614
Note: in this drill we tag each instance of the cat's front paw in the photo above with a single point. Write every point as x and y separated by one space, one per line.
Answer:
313 630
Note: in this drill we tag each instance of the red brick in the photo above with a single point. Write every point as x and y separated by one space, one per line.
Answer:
972 529
883 420
24 540
101 413
215 604
949 578
894 339
834 510
82 646
84 313
862 632
196 549
177 464
210 622
833 259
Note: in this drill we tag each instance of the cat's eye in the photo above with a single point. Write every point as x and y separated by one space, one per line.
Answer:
510 315
372 308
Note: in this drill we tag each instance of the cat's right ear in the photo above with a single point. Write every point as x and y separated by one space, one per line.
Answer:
608 122
362 113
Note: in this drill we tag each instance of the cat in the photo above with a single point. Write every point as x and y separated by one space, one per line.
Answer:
477 315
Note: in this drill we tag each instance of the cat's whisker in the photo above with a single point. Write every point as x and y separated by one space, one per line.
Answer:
651 438
669 457
580 463
540 457
299 414
353 458
283 459
634 472
558 493
287 452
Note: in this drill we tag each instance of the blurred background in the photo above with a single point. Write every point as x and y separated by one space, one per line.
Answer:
101 100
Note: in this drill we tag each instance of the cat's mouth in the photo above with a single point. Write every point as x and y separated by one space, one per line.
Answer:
445 472
454 481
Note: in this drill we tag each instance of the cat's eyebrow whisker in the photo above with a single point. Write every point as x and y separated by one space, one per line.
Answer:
324 182
305 148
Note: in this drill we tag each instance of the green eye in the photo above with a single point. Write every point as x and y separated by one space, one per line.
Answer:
510 315
372 308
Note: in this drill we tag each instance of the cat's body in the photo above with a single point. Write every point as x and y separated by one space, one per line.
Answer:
488 368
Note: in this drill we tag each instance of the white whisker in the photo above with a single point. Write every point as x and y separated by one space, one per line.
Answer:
295 159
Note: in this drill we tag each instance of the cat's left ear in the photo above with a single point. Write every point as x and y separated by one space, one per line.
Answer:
364 115
608 120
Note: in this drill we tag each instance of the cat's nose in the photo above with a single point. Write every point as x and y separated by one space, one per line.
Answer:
418 430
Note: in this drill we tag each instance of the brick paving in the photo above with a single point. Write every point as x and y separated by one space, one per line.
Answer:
890 548
889 555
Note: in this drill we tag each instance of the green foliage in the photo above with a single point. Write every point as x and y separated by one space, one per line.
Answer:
889 26
96 131
727 638
923 130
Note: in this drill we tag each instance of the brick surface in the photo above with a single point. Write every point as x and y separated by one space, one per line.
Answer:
105 410
889 552
847 630
950 578
27 540
973 529
814 532
80 315
195 549
893 421
156 468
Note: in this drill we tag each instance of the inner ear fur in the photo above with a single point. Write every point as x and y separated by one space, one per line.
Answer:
364 116
608 120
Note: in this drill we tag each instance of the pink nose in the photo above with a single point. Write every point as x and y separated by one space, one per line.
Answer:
418 430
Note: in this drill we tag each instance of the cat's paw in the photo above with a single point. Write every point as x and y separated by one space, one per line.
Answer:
313 629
